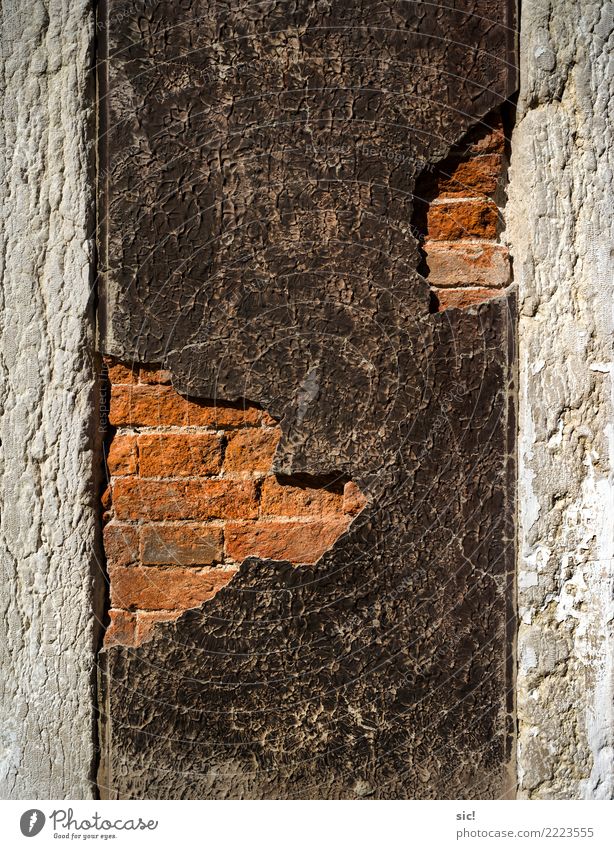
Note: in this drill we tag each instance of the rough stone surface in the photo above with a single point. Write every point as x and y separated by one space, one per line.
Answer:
48 413
562 232
252 255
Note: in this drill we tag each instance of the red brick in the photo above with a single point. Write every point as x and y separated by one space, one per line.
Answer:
251 450
463 298
120 372
134 498
122 458
179 455
298 542
158 406
106 499
479 176
121 544
353 499
146 621
157 588
221 416
121 630
153 374
467 265
147 406
470 219
183 545
284 500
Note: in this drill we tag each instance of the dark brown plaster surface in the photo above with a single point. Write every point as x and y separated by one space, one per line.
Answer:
258 162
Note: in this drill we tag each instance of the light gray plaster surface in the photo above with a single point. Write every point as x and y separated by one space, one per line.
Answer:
561 229
47 423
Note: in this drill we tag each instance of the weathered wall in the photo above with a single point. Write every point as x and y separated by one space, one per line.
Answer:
191 492
259 174
562 229
47 490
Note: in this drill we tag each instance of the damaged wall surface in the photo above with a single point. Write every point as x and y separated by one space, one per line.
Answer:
191 494
48 416
291 209
248 252
561 230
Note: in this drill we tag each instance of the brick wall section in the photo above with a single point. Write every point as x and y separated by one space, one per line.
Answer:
191 495
459 220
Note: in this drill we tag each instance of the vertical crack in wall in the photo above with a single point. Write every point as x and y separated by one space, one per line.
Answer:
104 597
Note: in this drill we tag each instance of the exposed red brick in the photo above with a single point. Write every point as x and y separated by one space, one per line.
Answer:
479 176
152 374
284 500
121 630
122 458
120 372
156 406
470 264
121 543
157 588
179 455
465 219
134 498
462 298
146 621
147 406
251 450
182 545
158 569
303 542
298 542
353 499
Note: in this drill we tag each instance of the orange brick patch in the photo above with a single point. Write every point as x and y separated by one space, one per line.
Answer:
299 542
477 176
462 298
179 455
251 451
160 406
465 263
191 495
158 588
473 218
459 220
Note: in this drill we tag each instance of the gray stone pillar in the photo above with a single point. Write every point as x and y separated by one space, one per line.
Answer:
47 407
562 235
